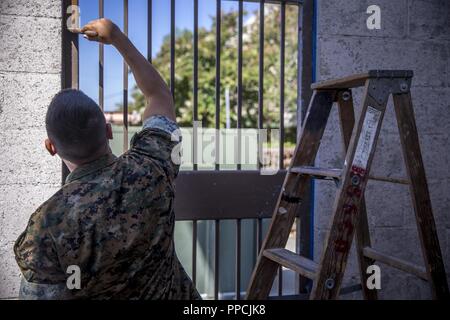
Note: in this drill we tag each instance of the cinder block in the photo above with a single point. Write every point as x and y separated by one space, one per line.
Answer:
430 107
320 236
331 150
448 66
398 285
9 273
402 243
328 156
30 44
17 203
435 155
333 125
2 93
24 159
349 17
25 98
440 202
447 254
430 104
388 159
386 204
42 8
325 194
343 55
390 125
429 19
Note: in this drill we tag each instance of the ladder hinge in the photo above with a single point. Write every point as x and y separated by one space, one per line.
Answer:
290 199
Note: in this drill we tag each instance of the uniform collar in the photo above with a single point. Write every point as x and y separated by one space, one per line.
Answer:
91 167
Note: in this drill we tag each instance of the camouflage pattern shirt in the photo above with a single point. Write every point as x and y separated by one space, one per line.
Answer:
114 220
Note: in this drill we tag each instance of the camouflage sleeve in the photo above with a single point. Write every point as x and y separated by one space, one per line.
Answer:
160 140
36 254
40 291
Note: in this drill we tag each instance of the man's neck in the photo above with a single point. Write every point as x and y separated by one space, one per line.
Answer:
72 166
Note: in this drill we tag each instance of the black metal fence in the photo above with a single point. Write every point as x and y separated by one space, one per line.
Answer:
247 194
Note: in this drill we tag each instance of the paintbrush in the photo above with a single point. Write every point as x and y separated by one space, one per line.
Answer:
85 34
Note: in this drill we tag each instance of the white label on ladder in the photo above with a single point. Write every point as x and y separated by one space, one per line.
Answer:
366 137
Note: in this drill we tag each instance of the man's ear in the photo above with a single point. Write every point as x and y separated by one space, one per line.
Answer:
109 133
50 147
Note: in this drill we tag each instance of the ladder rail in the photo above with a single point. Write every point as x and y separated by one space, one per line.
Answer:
346 112
292 192
420 196
346 208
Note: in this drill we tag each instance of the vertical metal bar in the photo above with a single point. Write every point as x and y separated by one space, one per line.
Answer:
305 72
125 81
69 57
300 282
239 88
303 55
172 47
149 29
282 57
195 92
260 109
282 93
280 281
218 51
238 259
216 258
101 99
258 235
194 251
261 77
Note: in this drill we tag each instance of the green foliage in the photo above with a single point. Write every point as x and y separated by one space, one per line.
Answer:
229 71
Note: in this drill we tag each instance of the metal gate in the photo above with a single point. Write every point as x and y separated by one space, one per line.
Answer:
241 197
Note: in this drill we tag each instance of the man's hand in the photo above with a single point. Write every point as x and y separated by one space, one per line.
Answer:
101 30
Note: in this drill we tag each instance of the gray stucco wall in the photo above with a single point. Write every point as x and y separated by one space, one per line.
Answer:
30 71
415 34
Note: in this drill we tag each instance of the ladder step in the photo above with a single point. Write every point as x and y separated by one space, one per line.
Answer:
359 80
396 263
293 261
317 172
305 296
352 81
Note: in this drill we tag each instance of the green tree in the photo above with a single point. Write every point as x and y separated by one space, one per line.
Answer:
229 56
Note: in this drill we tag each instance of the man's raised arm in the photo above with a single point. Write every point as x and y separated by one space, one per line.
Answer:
158 96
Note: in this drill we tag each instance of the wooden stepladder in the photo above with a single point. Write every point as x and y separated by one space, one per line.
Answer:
349 210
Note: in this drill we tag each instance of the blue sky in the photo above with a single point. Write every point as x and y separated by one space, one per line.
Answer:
137 31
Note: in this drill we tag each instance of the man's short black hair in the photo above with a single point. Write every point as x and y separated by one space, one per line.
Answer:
75 125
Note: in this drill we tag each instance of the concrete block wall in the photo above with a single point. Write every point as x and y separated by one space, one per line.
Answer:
414 34
30 74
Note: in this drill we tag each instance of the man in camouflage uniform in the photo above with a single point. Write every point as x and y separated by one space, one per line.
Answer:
113 218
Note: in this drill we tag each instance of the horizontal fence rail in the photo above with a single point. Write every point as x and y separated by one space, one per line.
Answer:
214 195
